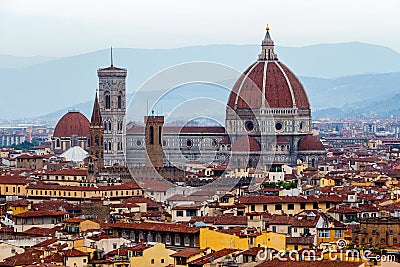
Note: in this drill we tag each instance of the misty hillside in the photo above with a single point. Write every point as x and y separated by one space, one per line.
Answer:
8 61
50 86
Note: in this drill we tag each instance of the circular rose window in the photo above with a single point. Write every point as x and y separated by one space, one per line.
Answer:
278 126
249 125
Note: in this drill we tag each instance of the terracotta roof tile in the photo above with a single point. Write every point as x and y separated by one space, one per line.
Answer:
215 255
188 252
40 213
162 227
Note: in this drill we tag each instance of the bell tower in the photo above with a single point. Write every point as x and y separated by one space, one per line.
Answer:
153 138
112 103
97 133
96 149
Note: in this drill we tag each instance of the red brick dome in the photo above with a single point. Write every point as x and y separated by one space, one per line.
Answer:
268 83
246 143
310 143
281 88
71 124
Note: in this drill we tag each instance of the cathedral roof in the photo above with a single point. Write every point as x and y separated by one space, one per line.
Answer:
268 83
310 143
71 124
96 119
246 143
112 68
74 154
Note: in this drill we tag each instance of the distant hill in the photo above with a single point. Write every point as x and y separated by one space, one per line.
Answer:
379 108
8 61
355 96
351 90
34 90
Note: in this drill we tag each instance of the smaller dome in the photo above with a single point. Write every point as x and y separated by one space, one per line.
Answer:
246 144
71 124
310 143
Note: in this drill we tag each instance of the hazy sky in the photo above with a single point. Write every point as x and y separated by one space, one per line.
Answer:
60 28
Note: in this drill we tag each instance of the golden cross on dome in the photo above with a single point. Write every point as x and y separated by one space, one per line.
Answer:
267 28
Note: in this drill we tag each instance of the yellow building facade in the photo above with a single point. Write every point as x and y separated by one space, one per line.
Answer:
77 193
217 240
157 256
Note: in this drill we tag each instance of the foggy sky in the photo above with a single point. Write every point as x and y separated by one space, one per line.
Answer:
62 28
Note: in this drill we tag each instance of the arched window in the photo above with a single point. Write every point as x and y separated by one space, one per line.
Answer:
109 146
151 135
159 136
58 142
96 140
120 100
107 99
105 146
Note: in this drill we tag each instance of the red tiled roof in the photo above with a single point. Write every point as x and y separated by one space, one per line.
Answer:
112 67
9 179
148 201
40 213
246 144
230 220
53 186
47 242
27 156
343 209
161 227
71 172
28 257
308 240
74 220
187 207
19 203
74 253
281 140
188 252
212 256
252 251
54 257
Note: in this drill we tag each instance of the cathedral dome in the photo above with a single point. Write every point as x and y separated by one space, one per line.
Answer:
71 124
268 83
310 143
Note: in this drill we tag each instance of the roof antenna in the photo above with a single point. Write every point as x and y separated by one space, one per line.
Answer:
111 58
